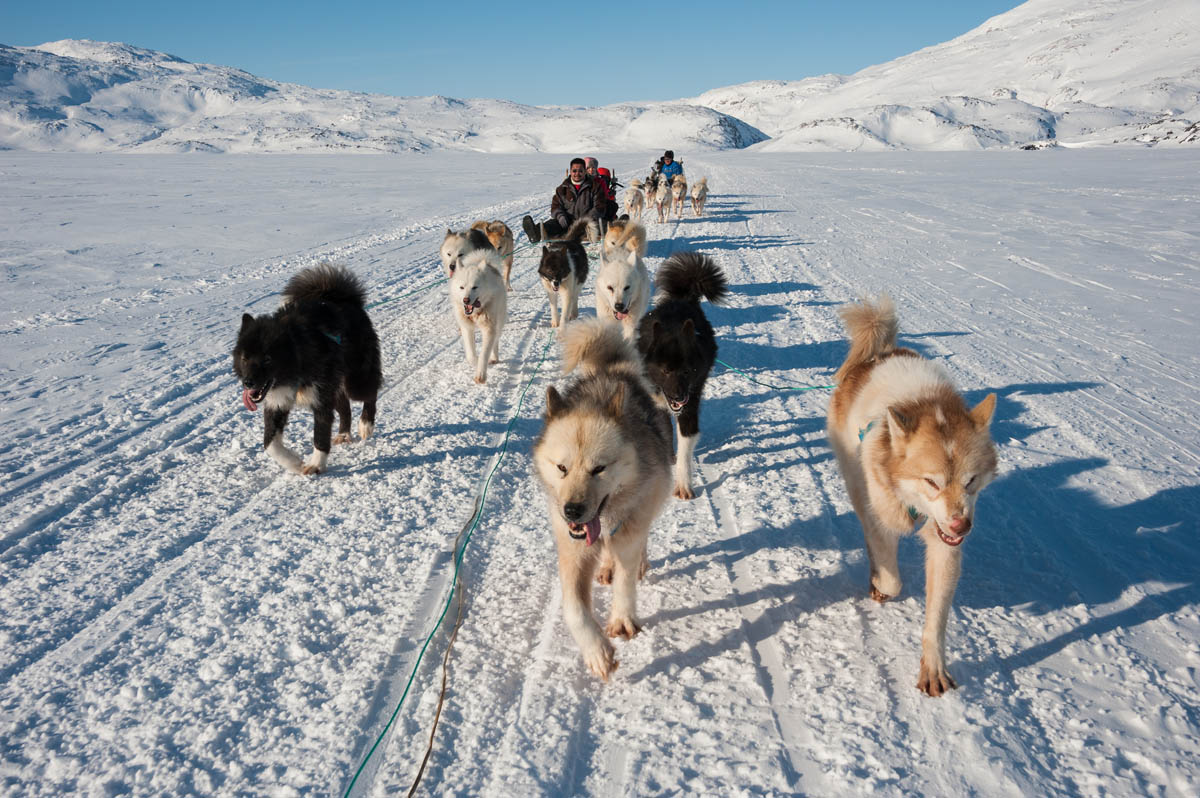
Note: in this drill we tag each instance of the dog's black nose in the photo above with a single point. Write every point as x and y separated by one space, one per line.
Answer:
619 307
573 511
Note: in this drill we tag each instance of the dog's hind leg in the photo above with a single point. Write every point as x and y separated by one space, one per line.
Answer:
943 564
322 434
342 405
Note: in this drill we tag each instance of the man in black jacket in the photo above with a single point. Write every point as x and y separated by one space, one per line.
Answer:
577 197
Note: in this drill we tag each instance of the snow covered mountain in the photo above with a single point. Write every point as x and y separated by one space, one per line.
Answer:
1069 72
96 96
1049 71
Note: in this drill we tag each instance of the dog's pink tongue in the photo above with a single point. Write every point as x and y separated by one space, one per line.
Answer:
592 530
247 401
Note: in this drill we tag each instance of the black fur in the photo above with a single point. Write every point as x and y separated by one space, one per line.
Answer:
676 341
320 341
560 258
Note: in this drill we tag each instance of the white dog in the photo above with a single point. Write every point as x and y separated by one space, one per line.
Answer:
678 192
478 300
699 196
662 198
622 290
635 200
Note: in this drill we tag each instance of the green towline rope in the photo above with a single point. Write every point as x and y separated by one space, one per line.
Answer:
471 527
776 387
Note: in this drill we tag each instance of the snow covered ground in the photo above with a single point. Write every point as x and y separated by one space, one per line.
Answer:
180 617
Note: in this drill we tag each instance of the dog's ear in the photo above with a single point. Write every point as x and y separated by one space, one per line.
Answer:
616 402
981 413
900 425
554 403
449 232
247 320
688 331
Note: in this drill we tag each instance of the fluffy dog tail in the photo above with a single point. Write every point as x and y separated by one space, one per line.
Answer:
689 276
872 328
630 236
593 345
325 283
577 231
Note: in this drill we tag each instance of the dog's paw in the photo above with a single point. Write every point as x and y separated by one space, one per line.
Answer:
934 681
602 659
310 470
365 429
878 596
622 627
604 574
481 379
493 361
342 437
684 491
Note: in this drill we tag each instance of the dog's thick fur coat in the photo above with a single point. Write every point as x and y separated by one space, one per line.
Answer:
478 300
679 348
457 245
623 283
563 269
910 451
500 236
318 349
604 460
679 190
635 200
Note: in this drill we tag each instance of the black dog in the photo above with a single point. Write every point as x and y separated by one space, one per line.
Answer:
318 349
563 270
679 348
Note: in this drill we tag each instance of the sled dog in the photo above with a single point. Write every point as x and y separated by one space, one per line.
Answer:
679 190
563 270
501 238
912 454
699 196
455 246
622 289
604 461
635 200
625 234
478 301
662 198
319 350
679 348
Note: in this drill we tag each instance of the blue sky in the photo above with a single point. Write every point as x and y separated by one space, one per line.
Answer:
596 54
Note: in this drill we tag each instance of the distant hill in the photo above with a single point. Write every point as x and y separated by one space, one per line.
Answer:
1047 73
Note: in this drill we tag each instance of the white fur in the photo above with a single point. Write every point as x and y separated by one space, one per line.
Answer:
476 280
623 280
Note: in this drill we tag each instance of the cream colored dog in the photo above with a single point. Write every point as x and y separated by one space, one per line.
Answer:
699 196
478 301
501 238
912 455
604 461
678 192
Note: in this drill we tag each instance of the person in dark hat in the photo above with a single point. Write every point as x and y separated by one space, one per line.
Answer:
667 167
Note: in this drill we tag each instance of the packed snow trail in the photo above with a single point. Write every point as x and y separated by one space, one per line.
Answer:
179 616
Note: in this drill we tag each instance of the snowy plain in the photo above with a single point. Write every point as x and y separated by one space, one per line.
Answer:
180 617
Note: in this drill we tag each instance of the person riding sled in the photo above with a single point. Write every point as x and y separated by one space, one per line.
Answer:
577 197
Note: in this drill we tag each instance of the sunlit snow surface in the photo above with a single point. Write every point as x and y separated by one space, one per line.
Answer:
179 616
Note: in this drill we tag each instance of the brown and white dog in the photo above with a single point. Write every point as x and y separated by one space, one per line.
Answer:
699 196
501 238
912 455
678 192
604 461
627 235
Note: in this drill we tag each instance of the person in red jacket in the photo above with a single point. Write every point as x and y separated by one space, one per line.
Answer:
604 177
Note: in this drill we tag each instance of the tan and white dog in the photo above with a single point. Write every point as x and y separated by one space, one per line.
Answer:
604 461
478 301
501 238
623 288
662 198
625 235
635 200
678 192
912 454
699 195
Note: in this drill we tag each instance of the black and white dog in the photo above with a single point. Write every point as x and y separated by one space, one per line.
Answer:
318 349
679 348
563 270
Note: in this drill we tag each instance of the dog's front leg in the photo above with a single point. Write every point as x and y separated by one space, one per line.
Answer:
688 431
627 552
467 330
575 568
274 421
489 343
943 564
552 296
